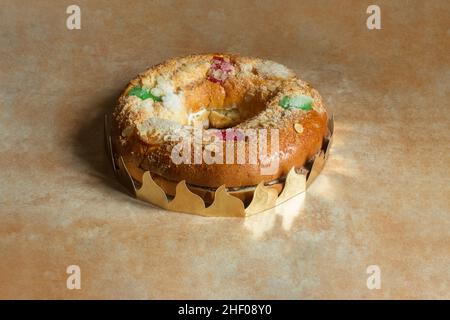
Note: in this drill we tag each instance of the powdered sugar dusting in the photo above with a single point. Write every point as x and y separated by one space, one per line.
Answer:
273 69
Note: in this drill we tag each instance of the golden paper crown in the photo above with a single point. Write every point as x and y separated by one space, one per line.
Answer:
224 204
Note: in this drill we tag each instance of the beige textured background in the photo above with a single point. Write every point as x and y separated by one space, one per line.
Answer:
383 197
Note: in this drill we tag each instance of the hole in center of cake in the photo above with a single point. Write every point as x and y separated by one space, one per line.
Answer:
221 107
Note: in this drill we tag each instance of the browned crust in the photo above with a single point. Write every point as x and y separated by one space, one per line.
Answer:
295 150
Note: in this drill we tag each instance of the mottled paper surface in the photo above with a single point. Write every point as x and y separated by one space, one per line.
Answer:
382 198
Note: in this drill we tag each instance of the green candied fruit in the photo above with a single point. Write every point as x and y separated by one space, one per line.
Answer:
298 102
284 102
143 94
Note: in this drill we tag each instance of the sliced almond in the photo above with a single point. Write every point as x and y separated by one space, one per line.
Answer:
298 127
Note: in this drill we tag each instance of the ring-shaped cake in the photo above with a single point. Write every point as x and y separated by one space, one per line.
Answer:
218 119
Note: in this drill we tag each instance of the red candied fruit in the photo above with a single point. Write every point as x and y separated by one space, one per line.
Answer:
220 69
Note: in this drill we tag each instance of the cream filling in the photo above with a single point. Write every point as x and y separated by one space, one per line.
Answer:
199 117
215 118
